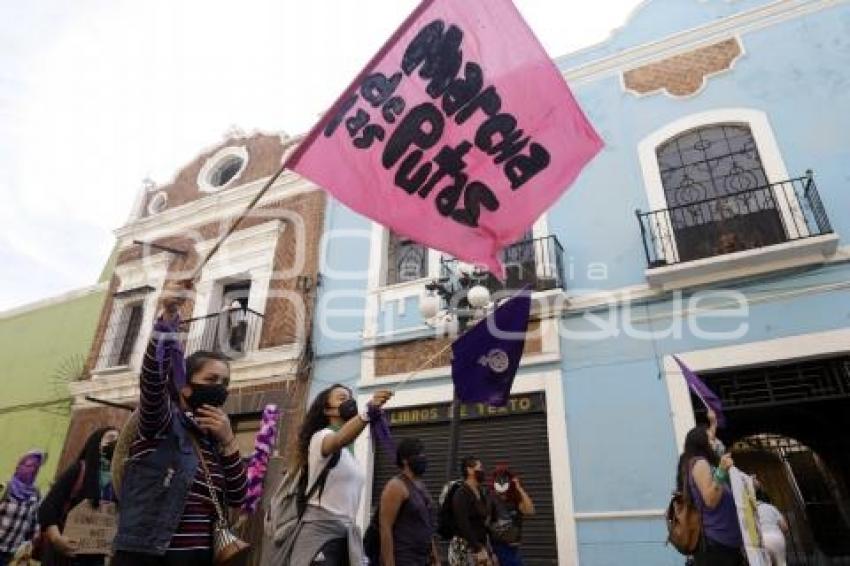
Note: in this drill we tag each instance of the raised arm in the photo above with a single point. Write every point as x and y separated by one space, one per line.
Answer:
155 404
711 486
352 428
526 506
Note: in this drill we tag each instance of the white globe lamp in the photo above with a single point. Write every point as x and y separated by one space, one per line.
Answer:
478 297
429 306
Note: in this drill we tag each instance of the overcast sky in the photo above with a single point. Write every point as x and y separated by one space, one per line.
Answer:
95 95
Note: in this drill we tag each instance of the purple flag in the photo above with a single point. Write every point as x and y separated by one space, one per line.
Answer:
486 358
706 395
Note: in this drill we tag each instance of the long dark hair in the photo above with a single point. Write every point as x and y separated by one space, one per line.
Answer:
314 420
90 454
697 445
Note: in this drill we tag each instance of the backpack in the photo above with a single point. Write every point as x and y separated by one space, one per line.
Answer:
684 521
445 517
126 437
287 505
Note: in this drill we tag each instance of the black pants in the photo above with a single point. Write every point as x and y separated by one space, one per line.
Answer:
333 553
171 558
715 554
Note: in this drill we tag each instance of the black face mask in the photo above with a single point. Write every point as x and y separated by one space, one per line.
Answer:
347 409
418 465
212 395
479 476
108 451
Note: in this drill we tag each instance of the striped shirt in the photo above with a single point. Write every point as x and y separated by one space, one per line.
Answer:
156 411
18 522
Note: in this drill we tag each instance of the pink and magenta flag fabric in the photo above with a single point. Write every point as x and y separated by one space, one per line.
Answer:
458 134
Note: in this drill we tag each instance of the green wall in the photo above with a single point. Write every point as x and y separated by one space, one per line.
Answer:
40 350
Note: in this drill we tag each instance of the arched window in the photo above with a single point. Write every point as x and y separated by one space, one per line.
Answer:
406 260
718 194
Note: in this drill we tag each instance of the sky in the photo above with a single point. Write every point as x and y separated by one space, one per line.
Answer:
97 95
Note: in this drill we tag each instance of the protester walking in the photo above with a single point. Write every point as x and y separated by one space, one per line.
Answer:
183 455
88 482
509 505
470 546
407 516
327 534
19 506
707 478
773 525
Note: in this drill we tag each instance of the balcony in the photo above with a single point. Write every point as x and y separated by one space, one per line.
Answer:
537 263
750 231
233 332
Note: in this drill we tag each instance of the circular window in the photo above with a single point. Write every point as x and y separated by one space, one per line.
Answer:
226 171
222 169
158 203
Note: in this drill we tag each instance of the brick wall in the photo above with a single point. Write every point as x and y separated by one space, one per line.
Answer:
281 323
684 74
264 151
402 358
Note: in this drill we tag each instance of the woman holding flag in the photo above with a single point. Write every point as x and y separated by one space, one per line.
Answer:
327 535
706 476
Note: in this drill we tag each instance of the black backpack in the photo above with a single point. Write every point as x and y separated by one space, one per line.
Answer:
445 517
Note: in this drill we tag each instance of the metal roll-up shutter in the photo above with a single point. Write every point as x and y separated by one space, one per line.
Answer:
516 436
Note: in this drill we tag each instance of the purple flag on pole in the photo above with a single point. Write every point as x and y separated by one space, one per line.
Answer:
486 358
706 395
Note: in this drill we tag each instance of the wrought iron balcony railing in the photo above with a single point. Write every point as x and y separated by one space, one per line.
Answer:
537 263
233 332
756 218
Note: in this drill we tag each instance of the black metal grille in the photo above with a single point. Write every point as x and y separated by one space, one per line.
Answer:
753 218
537 263
122 334
233 332
815 380
406 260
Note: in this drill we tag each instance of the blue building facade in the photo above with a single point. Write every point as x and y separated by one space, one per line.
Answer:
713 226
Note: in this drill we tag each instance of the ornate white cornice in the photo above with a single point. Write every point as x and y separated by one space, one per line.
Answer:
743 22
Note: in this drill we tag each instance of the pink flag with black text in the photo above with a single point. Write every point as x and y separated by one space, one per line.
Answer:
458 134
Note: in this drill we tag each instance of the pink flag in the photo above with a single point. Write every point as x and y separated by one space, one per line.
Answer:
458 134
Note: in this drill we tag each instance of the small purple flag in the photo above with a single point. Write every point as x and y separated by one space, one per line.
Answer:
486 358
706 395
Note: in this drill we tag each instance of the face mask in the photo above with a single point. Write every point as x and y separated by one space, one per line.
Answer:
347 409
501 487
418 465
479 476
212 395
108 451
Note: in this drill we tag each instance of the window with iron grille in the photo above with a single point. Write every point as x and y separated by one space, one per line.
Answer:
406 260
131 324
718 195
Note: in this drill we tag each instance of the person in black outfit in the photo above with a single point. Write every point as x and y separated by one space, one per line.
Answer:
88 478
407 511
469 507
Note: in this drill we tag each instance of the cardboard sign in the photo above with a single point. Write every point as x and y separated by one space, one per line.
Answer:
745 500
92 529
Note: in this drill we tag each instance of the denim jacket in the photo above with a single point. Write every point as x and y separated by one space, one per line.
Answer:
154 492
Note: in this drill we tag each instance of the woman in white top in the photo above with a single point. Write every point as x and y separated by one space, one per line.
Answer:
327 535
774 527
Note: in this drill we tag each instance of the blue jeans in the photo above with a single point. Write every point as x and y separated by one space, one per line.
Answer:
508 555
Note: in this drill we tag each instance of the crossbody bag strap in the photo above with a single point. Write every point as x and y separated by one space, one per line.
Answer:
208 480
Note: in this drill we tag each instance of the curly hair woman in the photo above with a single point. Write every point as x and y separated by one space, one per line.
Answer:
327 534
